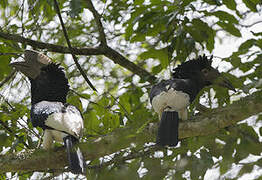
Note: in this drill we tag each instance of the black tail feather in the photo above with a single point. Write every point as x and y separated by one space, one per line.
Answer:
74 155
168 129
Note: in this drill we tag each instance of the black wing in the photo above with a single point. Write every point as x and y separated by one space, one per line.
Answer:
184 85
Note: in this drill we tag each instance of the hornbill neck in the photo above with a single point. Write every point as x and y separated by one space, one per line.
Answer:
198 82
50 85
195 81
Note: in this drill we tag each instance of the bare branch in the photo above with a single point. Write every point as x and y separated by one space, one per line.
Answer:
102 35
201 125
9 54
250 25
51 47
107 51
70 47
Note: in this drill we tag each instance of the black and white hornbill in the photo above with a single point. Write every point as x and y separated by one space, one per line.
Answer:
60 121
170 98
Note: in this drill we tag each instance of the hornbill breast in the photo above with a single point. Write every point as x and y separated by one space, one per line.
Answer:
56 115
168 95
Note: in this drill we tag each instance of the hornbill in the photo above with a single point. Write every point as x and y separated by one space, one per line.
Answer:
60 121
170 98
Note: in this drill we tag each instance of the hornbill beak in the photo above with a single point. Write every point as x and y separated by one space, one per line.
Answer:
224 82
33 63
213 76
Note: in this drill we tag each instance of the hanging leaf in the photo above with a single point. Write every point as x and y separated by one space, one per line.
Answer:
230 28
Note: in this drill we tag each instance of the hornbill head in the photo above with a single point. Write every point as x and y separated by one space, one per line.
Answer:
48 80
33 63
201 68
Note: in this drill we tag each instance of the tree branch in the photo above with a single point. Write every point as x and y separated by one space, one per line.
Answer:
102 35
201 125
112 54
70 47
51 47
107 51
122 61
250 25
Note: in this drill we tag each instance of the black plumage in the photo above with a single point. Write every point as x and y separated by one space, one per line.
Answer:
50 85
60 121
170 98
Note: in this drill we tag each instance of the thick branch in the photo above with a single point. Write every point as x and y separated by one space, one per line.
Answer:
51 47
107 51
198 126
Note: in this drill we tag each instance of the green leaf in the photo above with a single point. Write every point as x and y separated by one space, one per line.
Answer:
3 138
259 43
4 3
230 28
256 34
249 133
230 4
224 16
124 101
75 100
244 47
213 2
160 54
247 168
75 8
251 5
91 123
156 69
201 32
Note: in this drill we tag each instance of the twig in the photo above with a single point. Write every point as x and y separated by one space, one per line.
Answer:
70 47
8 54
102 35
11 132
127 114
111 53
243 25
13 109
7 78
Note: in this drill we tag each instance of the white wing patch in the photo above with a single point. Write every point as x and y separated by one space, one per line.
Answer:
68 122
172 99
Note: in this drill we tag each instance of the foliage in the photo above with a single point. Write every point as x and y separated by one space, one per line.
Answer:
156 35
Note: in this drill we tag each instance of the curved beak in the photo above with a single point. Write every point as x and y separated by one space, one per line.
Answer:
26 68
32 65
224 82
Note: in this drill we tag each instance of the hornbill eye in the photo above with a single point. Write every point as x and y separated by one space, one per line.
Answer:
205 71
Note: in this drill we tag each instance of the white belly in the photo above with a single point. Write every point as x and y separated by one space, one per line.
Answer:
70 123
172 99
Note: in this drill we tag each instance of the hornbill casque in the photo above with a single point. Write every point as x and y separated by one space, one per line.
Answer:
170 98
60 121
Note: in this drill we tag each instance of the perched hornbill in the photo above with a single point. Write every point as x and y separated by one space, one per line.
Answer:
60 121
170 98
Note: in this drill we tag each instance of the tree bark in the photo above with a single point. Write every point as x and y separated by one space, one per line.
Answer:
200 125
112 54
